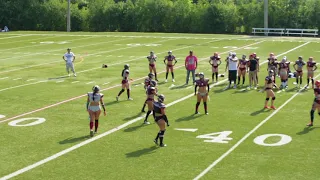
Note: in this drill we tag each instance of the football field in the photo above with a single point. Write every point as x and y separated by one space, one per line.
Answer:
45 128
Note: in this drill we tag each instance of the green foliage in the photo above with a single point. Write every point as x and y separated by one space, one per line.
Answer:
196 16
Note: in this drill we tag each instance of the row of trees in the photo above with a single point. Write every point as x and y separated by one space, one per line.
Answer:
195 16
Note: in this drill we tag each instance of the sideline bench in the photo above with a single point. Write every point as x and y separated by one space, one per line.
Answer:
280 31
312 32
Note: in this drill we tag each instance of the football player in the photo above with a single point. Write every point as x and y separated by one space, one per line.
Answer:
311 67
215 62
316 102
169 65
298 66
242 69
69 58
125 82
160 118
269 84
152 58
202 94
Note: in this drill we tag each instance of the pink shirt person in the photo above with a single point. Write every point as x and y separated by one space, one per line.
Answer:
191 62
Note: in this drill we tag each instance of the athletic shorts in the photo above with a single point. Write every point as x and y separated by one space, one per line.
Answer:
94 108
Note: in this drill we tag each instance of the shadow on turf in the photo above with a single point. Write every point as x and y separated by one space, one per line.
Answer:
263 110
190 117
60 77
135 116
134 128
141 152
179 87
114 102
73 140
306 130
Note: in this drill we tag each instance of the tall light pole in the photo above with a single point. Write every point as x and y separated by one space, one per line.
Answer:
266 15
68 18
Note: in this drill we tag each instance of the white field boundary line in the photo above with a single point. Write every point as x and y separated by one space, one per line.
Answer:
29 45
15 36
39 163
16 173
118 85
26 40
247 135
33 54
52 62
23 85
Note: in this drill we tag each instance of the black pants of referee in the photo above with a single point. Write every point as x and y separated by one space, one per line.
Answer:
232 76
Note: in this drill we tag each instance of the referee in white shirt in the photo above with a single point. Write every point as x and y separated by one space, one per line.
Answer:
69 57
232 66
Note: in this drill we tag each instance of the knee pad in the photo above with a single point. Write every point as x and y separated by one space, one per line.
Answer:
267 99
205 103
312 111
162 133
319 113
273 98
198 103
122 90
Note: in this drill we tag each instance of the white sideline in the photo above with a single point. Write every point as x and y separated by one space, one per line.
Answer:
254 129
16 173
65 49
14 36
12 42
247 135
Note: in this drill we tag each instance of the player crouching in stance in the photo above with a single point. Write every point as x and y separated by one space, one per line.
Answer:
202 83
125 82
269 83
311 67
147 82
215 62
316 103
93 107
151 92
298 66
169 65
69 57
242 69
160 118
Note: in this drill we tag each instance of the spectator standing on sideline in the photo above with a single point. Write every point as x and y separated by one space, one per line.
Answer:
191 65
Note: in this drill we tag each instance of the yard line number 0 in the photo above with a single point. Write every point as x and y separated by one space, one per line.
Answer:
222 137
19 122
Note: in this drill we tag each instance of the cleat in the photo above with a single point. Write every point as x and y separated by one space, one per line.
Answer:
272 107
143 111
207 113
130 99
69 75
168 124
235 86
196 113
163 145
310 124
255 87
266 107
91 133
95 132
156 79
173 80
75 75
166 80
146 122
156 141
117 98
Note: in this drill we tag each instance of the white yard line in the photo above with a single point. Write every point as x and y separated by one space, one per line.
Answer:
16 79
14 36
30 80
75 82
247 135
87 45
25 40
14 87
4 78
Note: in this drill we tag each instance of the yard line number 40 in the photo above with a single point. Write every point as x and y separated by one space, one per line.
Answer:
222 137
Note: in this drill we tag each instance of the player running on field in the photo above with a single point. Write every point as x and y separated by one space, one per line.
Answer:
202 83
316 103
215 62
160 118
269 84
147 82
125 82
151 92
253 70
284 68
298 66
242 69
311 67
152 58
169 65
272 63
95 99
69 57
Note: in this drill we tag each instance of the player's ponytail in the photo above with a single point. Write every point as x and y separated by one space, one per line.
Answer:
122 72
